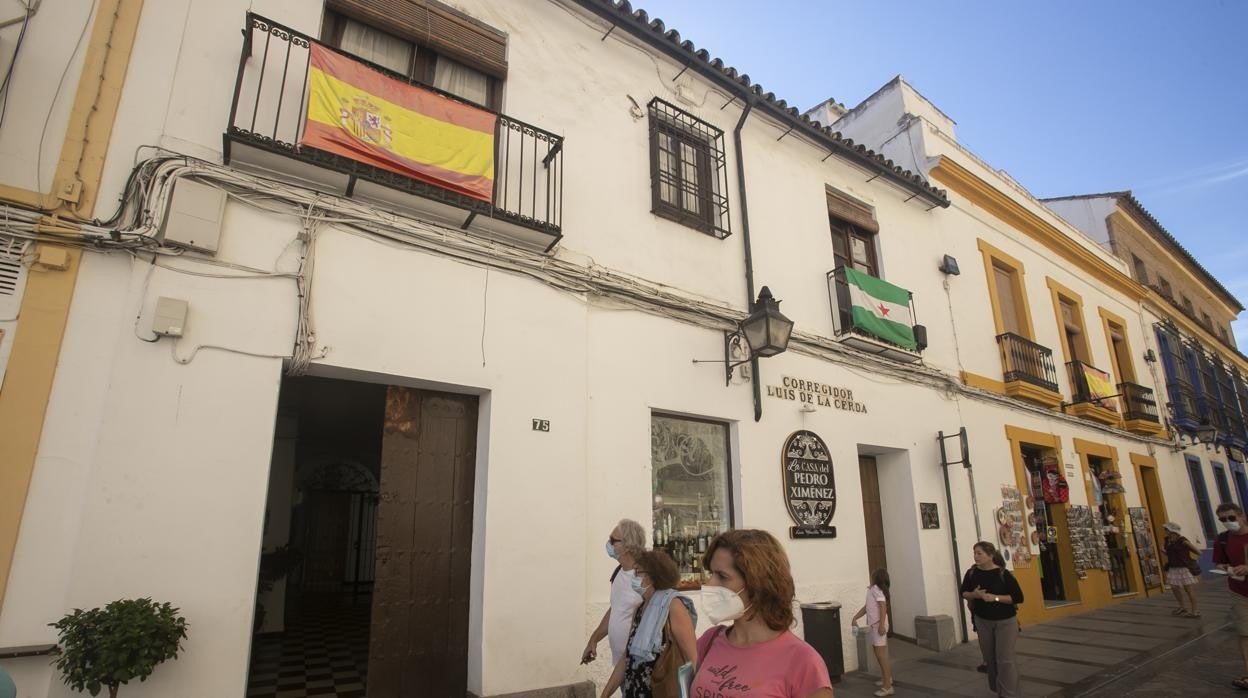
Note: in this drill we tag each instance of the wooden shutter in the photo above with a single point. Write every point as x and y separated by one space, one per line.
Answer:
1010 321
436 26
851 210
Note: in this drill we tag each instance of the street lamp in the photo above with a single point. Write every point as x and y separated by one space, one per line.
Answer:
766 332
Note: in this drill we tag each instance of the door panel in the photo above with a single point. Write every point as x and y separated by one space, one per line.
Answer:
873 513
419 643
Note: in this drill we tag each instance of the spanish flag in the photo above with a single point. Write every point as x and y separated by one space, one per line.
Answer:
1100 387
358 113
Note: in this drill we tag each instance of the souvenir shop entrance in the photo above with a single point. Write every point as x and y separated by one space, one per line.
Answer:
1109 505
1048 493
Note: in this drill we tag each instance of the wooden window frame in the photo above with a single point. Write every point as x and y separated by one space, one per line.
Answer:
424 57
1140 270
684 129
1122 374
995 257
847 231
1060 293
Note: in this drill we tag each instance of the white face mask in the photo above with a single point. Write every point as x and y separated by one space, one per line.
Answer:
723 604
1231 526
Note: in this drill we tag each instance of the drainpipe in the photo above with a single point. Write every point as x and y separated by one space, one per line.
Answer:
749 255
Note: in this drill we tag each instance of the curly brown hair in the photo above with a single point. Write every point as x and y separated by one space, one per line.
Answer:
660 568
763 564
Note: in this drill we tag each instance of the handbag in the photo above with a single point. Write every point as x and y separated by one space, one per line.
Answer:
665 678
1193 566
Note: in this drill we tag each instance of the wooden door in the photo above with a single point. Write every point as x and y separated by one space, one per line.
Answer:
1154 505
419 632
873 513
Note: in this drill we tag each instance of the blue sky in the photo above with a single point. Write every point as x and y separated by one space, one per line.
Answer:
1068 97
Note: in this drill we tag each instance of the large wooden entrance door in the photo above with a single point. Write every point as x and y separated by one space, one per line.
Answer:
872 513
419 637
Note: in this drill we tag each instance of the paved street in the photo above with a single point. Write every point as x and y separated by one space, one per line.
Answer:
1133 649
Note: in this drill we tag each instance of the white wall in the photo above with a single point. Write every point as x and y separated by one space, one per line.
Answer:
152 475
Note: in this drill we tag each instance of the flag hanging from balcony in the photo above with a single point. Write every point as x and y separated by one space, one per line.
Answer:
358 113
880 308
1100 387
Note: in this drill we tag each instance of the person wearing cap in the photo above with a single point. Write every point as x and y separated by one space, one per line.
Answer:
1179 551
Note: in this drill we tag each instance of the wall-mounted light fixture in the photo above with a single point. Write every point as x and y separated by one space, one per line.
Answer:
764 332
949 265
1205 433
1150 357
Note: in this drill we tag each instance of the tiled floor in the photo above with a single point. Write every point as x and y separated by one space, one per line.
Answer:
324 652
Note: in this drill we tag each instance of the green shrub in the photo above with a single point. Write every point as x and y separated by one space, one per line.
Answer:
112 646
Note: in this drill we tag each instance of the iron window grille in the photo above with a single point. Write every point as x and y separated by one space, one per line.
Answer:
688 170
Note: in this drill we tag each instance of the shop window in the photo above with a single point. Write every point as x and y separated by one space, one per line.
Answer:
1204 508
688 170
427 43
691 487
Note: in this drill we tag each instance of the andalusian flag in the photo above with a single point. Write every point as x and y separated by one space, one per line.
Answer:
359 113
880 308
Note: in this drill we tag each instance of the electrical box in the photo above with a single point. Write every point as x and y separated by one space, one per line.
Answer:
169 318
194 217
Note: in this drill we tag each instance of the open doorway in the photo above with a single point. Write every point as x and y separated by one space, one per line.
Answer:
1111 512
366 559
1048 494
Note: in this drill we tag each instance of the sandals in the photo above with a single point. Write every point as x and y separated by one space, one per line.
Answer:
1240 683
1191 614
1179 611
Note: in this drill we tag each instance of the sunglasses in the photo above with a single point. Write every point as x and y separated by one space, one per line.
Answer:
613 541
1227 519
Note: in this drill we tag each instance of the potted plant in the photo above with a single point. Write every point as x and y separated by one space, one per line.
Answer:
112 646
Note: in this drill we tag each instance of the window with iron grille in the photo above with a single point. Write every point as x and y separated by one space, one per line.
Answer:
688 170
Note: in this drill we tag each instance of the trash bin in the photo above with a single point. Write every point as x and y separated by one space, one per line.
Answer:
821 622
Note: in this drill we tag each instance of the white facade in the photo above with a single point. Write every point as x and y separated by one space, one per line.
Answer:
155 457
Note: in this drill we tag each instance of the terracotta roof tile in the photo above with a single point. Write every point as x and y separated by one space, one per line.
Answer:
1165 238
638 22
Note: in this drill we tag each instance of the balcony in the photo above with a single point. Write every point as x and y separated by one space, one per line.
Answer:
1139 412
1092 394
267 121
889 331
1028 370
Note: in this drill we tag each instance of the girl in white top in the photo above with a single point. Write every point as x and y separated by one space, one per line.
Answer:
876 610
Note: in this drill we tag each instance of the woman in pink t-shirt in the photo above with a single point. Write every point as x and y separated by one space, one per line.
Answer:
757 656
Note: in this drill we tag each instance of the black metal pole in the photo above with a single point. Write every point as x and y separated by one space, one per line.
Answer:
953 534
755 382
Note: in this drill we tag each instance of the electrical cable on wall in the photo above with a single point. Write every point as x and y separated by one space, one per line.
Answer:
149 191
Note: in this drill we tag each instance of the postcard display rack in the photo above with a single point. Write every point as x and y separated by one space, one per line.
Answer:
1012 529
1089 550
1150 565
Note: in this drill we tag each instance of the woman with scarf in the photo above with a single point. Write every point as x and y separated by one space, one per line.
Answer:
665 618
758 656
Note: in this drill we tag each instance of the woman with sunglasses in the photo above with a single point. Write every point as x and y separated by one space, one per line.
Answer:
758 656
663 623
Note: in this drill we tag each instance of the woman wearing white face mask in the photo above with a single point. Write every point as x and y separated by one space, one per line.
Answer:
757 656
662 632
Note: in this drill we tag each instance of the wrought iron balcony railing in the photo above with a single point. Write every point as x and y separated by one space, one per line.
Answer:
268 110
1138 402
1024 360
894 342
